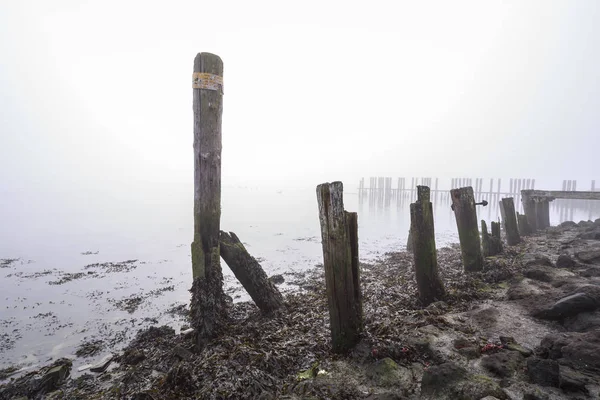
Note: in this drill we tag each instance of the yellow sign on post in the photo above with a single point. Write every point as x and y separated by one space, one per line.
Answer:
204 80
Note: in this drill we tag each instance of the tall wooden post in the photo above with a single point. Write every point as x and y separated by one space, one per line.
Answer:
208 306
510 222
339 234
422 231
463 202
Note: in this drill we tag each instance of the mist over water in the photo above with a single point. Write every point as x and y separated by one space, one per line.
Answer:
96 123
278 224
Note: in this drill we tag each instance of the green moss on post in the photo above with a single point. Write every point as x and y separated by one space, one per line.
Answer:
463 202
429 284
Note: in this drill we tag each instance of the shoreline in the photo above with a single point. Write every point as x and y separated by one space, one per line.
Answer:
403 346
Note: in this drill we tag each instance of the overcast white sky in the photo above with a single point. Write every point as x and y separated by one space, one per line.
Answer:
97 94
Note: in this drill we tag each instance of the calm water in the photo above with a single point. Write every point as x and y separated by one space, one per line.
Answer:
40 321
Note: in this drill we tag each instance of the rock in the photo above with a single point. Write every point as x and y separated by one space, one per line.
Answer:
524 351
568 224
571 380
585 224
582 350
467 348
52 379
133 357
477 387
103 364
565 261
591 271
439 378
591 235
384 396
503 364
535 394
543 372
568 307
266 396
182 353
507 339
387 373
589 289
539 273
490 398
486 317
511 344
537 259
583 322
277 279
589 256
523 290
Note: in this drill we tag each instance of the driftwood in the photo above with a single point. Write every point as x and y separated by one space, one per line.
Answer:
248 271
339 234
463 203
422 232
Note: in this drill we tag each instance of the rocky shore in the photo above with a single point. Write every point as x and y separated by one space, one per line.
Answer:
526 327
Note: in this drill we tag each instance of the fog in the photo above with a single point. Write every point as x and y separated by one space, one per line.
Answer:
97 96
96 133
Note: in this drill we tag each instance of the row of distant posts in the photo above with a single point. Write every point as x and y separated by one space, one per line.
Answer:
380 191
339 231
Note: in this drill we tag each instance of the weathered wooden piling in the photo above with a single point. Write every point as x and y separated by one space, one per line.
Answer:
208 307
510 221
529 208
492 245
429 284
463 202
248 271
542 212
339 233
523 224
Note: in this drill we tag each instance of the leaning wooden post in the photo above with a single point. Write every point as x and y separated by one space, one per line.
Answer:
422 231
463 203
339 234
248 271
208 306
510 221
492 245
